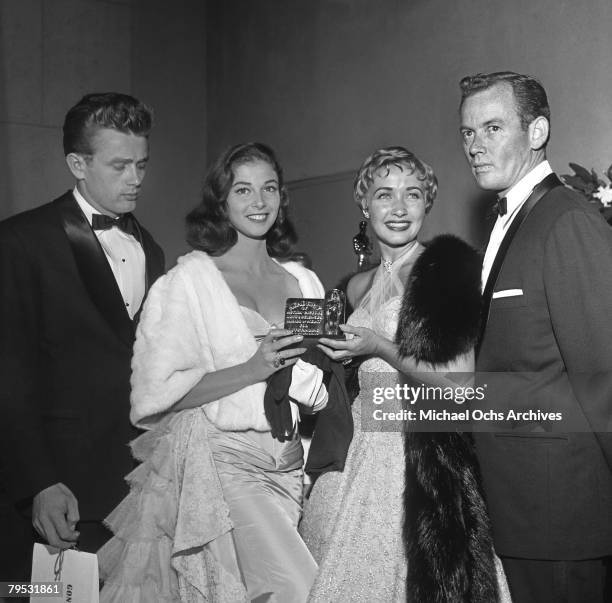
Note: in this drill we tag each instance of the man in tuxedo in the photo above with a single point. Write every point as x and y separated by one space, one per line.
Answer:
547 280
74 273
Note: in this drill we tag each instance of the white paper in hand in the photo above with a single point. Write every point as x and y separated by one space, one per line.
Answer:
76 570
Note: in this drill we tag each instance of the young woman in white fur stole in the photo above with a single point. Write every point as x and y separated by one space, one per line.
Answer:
214 506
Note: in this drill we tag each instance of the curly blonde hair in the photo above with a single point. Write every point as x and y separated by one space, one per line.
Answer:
384 159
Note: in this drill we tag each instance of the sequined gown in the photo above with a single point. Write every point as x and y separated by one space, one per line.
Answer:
353 519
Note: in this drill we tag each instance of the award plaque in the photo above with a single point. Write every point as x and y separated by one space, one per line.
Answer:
314 317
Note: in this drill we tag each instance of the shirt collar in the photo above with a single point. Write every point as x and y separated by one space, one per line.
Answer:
85 206
519 193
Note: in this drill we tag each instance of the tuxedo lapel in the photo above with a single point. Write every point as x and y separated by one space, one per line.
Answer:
151 271
542 188
94 269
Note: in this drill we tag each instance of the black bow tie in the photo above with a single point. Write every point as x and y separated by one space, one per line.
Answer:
501 207
125 222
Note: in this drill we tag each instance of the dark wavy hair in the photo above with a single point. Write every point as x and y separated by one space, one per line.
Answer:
112 110
208 226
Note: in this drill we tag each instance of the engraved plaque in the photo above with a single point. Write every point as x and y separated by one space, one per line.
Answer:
314 318
305 316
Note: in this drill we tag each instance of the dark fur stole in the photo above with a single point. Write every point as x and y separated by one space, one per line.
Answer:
446 529
440 314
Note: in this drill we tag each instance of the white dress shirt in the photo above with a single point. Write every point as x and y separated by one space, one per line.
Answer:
125 257
515 198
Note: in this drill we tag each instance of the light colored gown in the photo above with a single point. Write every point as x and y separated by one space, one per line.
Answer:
262 482
353 519
262 558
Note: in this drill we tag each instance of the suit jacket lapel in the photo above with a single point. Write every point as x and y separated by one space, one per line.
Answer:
94 269
151 272
542 188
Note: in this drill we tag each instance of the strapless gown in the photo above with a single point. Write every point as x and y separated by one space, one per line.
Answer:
262 481
263 558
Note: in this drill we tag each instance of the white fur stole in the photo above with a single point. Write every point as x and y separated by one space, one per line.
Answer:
191 325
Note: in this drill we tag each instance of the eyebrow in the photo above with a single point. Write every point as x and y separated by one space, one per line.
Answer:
489 122
493 121
244 183
390 188
128 160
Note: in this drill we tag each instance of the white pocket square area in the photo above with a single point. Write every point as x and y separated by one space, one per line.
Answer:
507 293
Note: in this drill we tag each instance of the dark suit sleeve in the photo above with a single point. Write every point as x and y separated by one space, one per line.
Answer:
26 464
578 285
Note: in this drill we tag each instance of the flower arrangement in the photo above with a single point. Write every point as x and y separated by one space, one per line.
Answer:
595 189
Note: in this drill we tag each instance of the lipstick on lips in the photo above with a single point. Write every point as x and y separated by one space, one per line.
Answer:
259 217
398 225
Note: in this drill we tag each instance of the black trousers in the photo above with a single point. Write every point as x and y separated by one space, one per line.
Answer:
537 581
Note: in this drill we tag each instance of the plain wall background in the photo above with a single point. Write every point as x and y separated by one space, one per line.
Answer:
52 52
325 82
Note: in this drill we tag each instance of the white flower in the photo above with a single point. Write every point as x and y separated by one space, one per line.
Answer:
604 194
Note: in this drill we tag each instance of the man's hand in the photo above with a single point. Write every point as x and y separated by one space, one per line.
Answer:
55 513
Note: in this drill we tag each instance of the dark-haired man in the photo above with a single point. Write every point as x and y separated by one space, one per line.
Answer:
73 273
547 282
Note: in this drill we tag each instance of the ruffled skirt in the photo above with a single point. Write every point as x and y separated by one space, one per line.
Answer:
211 516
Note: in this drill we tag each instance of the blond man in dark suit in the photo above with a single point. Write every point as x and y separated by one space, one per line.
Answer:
547 280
